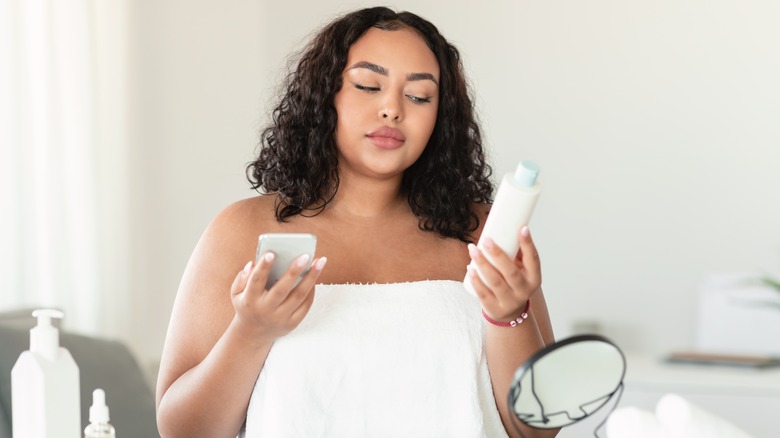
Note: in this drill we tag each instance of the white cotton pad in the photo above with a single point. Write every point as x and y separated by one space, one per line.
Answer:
631 422
681 419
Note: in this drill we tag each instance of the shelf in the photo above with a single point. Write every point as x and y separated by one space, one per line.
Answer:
654 373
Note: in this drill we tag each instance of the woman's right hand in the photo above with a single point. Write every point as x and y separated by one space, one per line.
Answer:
270 314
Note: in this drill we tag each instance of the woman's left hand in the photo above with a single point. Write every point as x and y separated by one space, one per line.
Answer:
505 286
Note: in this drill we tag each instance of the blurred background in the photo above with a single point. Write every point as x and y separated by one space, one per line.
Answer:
126 126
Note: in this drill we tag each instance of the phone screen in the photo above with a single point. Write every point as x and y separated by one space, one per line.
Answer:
286 247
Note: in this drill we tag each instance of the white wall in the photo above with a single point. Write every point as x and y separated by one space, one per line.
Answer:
655 123
195 91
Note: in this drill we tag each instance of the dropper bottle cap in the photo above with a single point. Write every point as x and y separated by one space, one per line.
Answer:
98 412
44 337
526 173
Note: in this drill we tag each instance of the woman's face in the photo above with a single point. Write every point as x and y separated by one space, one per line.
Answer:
387 104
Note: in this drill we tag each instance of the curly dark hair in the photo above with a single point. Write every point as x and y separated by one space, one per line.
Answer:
298 158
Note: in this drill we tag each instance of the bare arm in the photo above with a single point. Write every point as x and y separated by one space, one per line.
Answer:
507 349
210 399
222 327
504 290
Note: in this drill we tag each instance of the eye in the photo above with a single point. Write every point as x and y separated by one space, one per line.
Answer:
366 89
416 99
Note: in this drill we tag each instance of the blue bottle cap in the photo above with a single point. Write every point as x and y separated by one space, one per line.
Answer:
526 173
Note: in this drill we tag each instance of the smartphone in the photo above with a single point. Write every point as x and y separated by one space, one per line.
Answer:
286 247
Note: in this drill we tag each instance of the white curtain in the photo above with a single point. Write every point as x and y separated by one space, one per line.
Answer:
51 251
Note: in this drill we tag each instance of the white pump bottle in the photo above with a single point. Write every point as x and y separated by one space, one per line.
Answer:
512 208
45 397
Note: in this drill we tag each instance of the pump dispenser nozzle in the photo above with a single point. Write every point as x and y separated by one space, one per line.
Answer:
44 337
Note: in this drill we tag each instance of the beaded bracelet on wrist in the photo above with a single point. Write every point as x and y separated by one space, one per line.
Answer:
519 320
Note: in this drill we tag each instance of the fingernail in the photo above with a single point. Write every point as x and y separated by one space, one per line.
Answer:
524 231
302 260
248 267
473 251
320 263
471 272
488 243
269 257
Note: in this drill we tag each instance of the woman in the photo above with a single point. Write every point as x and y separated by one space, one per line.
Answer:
375 149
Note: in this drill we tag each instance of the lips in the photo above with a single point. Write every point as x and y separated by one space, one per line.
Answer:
386 137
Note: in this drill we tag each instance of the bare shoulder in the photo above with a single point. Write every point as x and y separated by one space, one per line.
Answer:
228 243
203 309
232 233
250 212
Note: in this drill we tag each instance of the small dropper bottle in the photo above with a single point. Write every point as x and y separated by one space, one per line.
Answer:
99 427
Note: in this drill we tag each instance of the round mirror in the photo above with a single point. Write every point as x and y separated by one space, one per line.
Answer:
567 381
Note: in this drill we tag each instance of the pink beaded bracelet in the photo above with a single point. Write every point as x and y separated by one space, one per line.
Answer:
523 316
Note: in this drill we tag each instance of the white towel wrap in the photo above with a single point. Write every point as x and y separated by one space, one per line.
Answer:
379 360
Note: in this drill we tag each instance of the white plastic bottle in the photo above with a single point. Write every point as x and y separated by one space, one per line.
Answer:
99 427
45 397
512 208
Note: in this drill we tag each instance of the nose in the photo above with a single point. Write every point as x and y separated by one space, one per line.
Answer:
391 109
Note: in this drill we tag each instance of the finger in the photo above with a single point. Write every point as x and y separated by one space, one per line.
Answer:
259 276
530 256
305 286
506 266
281 290
239 283
303 308
485 295
488 273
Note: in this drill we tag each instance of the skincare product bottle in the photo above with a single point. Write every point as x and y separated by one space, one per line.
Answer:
99 427
45 397
512 208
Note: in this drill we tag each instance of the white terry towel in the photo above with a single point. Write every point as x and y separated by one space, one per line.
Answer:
376 361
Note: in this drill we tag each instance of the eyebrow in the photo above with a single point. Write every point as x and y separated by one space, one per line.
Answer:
383 71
